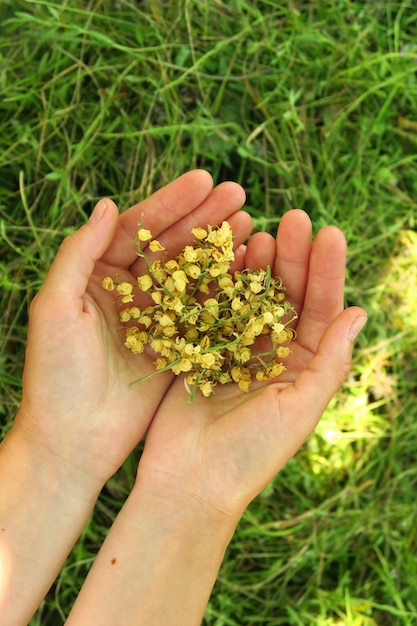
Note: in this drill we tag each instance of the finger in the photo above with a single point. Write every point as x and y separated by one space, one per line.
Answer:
241 225
293 248
302 404
324 297
157 213
260 251
239 263
73 265
222 203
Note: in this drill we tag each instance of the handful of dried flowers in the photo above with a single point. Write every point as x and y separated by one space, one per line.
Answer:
203 321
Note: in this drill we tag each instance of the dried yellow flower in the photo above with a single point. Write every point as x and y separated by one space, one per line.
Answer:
158 272
107 283
145 282
124 315
172 265
180 280
190 254
206 388
193 270
192 334
207 361
145 320
186 365
144 234
218 268
283 352
155 246
199 233
166 320
124 289
156 297
237 304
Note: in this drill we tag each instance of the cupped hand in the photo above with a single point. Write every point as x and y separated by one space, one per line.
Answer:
222 451
77 402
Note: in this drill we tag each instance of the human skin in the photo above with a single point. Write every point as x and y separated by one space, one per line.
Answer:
79 419
204 462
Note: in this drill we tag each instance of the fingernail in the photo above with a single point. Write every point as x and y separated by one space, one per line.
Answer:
356 327
98 212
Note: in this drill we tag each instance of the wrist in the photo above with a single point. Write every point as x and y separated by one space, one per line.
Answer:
54 475
159 561
172 507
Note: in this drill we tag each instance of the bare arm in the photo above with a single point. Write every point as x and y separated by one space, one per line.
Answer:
157 565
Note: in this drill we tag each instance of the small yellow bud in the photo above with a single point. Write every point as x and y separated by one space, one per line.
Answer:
156 297
206 388
243 355
218 268
192 334
282 352
193 270
172 265
190 254
237 304
244 384
205 342
199 233
160 363
158 271
212 305
124 289
174 304
107 283
185 365
134 344
125 315
144 234
155 246
146 320
225 281
204 286
268 318
180 280
165 320
207 360
255 287
145 282
170 331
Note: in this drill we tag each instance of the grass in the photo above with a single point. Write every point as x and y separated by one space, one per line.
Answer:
309 104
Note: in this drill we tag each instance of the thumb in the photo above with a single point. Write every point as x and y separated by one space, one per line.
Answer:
316 385
74 263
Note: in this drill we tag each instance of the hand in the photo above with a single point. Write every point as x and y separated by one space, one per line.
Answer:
77 402
221 452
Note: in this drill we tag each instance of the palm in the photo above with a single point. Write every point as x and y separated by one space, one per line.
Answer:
227 448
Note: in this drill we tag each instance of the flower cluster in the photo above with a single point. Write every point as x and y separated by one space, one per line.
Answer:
201 320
